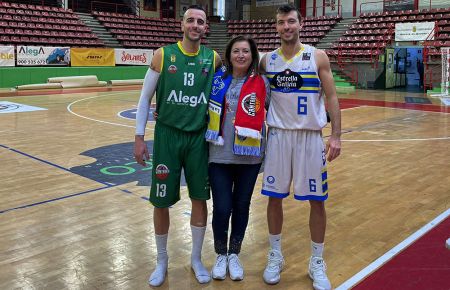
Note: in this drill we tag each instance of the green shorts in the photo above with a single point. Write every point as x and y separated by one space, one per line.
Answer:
174 150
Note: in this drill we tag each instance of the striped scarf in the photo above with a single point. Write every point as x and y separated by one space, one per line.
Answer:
249 113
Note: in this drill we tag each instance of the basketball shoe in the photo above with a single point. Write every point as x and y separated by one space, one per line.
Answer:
219 270
317 272
235 268
275 264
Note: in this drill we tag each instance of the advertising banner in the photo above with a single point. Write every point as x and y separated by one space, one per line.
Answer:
260 3
133 56
92 56
414 31
7 57
42 55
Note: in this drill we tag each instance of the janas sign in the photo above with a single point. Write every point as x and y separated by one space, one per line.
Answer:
7 57
133 56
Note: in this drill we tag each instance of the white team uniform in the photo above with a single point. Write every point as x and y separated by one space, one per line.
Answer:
295 150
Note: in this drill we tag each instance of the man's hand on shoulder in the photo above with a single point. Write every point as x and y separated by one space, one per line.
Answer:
157 60
218 60
262 64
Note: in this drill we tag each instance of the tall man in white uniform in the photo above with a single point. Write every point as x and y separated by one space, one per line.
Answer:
299 75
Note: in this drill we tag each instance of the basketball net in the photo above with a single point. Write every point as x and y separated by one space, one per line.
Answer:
445 52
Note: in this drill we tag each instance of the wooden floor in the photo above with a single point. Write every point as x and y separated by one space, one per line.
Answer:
61 229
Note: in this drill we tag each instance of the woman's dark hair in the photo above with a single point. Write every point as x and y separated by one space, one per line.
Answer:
254 65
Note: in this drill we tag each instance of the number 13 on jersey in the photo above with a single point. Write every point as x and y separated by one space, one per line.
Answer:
302 105
188 79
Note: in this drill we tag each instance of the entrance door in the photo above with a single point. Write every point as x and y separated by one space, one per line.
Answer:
167 8
414 67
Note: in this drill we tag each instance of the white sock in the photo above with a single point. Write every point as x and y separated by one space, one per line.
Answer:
275 242
316 249
159 274
201 273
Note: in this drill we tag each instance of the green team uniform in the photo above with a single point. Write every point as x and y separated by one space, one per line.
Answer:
182 96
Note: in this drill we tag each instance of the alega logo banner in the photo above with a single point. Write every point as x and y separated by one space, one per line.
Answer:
42 55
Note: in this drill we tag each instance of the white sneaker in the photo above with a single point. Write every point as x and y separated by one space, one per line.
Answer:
235 268
317 272
219 270
275 264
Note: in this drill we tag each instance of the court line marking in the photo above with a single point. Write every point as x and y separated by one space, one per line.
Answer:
397 140
107 184
390 140
55 199
95 120
358 277
343 140
45 161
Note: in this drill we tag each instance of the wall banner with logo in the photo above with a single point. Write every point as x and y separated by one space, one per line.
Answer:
133 56
7 56
414 31
92 56
42 55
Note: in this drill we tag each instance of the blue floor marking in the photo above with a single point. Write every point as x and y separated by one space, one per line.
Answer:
44 161
53 199
107 184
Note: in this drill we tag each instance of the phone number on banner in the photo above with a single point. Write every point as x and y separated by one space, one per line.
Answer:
31 62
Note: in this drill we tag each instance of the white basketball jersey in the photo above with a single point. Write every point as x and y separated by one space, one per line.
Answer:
296 100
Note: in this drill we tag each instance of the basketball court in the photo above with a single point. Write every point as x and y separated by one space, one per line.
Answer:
74 211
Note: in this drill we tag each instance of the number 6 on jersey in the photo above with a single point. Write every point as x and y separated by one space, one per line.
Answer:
302 105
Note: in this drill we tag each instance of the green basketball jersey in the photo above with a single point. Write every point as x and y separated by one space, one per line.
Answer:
184 85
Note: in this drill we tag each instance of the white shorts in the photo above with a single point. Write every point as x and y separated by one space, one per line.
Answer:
298 156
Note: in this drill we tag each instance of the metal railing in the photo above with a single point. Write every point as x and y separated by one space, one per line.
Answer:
102 6
134 6
383 4
427 44
326 10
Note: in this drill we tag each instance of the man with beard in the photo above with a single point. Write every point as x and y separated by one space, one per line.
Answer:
181 74
295 152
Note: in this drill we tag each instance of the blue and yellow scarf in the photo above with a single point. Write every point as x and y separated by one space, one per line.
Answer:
249 114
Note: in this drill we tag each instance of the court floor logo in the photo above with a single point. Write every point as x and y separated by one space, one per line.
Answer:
131 114
9 107
115 165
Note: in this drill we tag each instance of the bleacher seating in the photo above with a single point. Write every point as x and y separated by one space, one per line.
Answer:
23 24
265 35
373 31
134 31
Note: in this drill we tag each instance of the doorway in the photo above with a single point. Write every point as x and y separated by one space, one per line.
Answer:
167 8
407 69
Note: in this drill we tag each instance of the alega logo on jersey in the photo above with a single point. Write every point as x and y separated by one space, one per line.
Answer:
287 80
180 99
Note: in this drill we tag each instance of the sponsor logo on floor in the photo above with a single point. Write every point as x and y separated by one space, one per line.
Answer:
9 107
